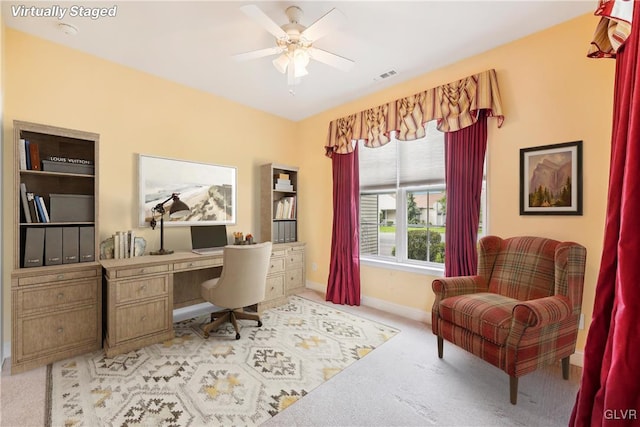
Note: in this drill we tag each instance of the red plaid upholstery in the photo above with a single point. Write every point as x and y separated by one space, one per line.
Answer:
521 310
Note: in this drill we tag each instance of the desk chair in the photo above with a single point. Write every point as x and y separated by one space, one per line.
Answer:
241 284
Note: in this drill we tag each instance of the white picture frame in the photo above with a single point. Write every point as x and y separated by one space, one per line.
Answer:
209 190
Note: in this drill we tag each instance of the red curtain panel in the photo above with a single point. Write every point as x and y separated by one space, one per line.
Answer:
343 286
464 162
610 389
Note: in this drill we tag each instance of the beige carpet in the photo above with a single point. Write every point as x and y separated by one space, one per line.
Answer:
190 381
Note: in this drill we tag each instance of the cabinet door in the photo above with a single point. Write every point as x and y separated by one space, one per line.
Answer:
45 334
136 321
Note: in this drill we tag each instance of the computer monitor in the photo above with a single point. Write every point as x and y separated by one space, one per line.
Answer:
206 238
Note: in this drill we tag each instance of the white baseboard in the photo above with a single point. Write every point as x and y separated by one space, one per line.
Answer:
577 359
389 307
6 351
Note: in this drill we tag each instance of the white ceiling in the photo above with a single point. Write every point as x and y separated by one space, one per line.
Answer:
192 42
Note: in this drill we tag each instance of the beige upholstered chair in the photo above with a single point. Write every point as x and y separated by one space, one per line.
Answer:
241 284
521 311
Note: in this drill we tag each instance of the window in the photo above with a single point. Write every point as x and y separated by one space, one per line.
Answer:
403 201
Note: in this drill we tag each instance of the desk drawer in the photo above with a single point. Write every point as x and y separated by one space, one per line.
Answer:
276 265
134 290
192 265
59 277
140 271
47 334
135 321
294 278
55 297
275 287
295 258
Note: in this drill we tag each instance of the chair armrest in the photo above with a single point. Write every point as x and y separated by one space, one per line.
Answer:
451 286
543 311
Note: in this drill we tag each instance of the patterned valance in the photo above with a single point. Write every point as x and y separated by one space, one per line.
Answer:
613 29
454 105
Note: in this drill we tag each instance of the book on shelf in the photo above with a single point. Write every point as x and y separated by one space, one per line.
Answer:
40 208
43 208
34 156
282 176
33 212
285 208
283 187
25 202
27 151
60 159
22 152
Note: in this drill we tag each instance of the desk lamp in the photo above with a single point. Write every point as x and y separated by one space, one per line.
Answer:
179 209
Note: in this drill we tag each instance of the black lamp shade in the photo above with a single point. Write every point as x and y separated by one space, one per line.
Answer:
178 209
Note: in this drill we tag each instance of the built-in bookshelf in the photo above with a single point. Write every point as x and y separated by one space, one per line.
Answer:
279 203
56 281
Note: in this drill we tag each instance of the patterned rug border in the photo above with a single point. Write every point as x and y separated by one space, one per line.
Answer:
345 360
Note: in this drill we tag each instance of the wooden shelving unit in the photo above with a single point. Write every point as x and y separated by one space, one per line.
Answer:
56 283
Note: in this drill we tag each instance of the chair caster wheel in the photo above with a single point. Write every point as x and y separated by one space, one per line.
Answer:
206 335
259 323
237 336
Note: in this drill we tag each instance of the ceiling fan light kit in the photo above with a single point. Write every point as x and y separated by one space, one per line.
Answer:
294 42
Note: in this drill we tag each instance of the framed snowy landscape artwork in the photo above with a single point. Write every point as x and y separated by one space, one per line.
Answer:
551 179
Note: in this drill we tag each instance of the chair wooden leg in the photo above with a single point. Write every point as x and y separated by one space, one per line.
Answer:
440 346
513 389
565 368
248 316
234 322
215 324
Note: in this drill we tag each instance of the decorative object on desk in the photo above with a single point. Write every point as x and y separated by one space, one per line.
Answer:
249 239
178 209
107 248
551 179
209 190
139 246
218 381
237 237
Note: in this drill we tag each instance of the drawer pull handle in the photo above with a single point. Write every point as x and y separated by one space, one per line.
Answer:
72 257
143 318
190 264
142 271
60 276
60 330
60 295
143 288
87 256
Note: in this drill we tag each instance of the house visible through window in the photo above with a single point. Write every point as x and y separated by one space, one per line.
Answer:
403 201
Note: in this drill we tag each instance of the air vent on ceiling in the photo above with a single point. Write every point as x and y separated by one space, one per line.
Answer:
386 75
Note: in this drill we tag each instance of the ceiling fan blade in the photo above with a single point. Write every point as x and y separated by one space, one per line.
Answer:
257 53
331 59
330 21
255 13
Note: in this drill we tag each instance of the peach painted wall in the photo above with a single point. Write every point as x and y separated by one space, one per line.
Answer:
551 93
133 112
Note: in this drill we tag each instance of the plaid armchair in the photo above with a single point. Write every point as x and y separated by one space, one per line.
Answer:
521 311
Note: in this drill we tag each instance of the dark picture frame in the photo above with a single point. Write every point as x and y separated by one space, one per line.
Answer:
551 179
209 190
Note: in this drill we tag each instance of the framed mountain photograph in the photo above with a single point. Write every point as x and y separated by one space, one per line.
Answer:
551 179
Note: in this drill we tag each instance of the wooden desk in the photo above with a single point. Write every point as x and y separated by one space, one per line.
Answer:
140 293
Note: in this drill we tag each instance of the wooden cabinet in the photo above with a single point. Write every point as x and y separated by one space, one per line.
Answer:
279 203
286 275
55 284
139 304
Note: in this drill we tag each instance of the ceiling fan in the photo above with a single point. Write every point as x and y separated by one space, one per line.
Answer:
294 41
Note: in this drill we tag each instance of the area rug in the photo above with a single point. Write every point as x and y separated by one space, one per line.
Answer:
192 381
